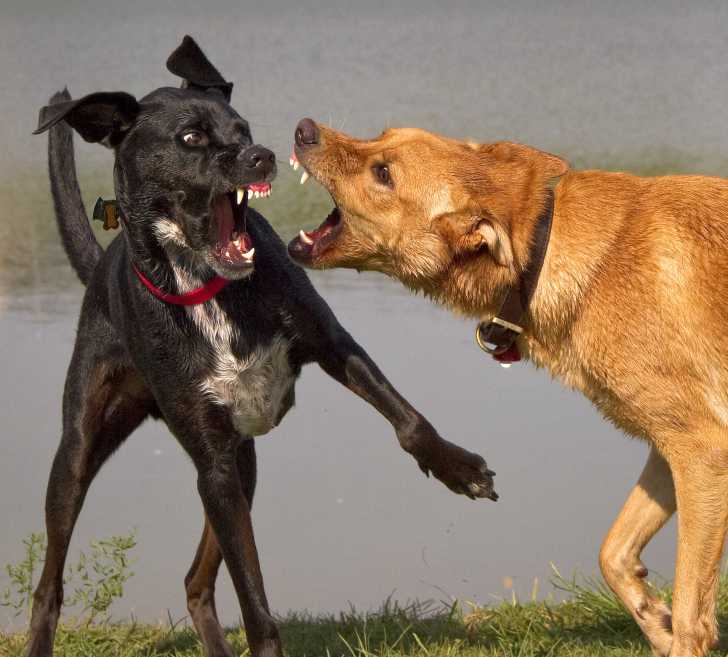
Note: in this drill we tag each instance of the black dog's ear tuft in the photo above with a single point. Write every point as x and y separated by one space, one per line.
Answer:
190 63
100 117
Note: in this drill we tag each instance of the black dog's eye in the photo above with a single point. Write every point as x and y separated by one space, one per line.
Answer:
195 138
381 171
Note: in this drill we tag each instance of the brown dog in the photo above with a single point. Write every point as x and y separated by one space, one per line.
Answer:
630 308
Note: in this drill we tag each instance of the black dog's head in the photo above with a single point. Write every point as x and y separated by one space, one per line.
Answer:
185 163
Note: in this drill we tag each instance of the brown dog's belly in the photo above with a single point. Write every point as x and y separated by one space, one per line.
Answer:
656 387
615 403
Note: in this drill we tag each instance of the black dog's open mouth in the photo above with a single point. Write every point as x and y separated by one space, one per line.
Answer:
310 245
232 245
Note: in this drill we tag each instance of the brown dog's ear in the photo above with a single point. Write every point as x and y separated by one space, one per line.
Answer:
190 63
101 117
550 166
470 233
496 239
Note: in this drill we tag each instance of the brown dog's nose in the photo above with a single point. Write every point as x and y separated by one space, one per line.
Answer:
307 133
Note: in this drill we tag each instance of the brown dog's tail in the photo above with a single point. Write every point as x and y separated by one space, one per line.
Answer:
79 241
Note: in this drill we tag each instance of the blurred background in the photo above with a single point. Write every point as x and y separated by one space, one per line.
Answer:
344 517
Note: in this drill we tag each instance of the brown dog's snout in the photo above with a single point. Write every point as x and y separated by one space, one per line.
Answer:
307 133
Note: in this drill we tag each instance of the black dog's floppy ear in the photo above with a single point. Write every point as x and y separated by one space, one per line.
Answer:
190 63
100 117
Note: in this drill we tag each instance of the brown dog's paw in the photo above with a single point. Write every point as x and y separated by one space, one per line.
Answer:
461 471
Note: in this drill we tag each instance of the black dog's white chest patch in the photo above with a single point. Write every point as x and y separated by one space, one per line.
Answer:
254 388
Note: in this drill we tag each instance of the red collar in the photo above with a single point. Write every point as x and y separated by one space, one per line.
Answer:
191 298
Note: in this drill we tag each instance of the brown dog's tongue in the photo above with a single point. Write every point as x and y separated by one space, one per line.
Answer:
225 220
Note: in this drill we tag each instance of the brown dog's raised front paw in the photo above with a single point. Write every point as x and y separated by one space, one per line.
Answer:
463 472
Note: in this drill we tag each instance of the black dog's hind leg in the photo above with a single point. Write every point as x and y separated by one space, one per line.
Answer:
102 405
200 580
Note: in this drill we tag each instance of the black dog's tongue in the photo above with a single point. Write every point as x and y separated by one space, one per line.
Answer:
234 246
225 219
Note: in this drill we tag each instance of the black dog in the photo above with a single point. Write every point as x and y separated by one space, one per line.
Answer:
196 316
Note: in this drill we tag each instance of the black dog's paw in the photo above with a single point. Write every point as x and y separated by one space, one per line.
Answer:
463 472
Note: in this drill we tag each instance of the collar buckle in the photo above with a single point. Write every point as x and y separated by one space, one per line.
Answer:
497 335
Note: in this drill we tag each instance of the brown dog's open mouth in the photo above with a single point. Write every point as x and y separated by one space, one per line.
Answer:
309 245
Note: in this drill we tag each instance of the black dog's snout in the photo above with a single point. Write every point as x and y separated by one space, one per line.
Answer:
307 133
258 157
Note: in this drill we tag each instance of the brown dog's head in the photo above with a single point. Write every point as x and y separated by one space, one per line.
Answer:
412 204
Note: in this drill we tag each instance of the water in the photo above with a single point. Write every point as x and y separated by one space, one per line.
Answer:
604 84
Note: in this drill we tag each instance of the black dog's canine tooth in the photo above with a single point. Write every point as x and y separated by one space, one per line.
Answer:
190 63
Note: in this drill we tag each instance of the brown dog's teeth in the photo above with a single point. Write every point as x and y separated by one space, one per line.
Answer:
304 237
304 177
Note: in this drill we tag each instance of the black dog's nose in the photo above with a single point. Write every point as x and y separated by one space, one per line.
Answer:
307 133
258 157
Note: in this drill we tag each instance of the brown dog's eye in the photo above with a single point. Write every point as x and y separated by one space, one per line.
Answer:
195 138
381 171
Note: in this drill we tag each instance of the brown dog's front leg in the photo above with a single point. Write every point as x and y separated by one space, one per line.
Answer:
461 471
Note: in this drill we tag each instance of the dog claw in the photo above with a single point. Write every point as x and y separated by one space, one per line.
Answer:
461 471
478 490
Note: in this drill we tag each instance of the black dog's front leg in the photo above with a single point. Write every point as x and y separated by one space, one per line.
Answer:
461 471
214 453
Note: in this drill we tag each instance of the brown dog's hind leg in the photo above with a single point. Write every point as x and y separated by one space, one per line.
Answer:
200 580
648 507
101 408
701 485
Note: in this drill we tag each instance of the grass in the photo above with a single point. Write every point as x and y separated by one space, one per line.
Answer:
589 623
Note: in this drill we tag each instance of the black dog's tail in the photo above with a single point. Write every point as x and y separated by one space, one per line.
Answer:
79 241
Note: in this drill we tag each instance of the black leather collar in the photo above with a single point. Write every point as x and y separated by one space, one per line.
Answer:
498 335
